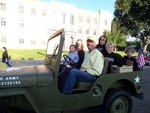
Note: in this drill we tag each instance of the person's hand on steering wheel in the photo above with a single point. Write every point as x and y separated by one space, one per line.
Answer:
69 60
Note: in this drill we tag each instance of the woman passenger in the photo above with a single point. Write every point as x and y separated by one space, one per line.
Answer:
101 44
81 53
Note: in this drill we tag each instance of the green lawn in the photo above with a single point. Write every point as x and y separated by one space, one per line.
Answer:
3 65
18 54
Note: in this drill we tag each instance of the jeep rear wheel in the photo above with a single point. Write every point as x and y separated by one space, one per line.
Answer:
117 101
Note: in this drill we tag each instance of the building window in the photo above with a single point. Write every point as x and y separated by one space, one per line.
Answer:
87 30
21 9
2 6
72 19
32 41
80 19
64 18
95 21
105 22
94 32
3 21
43 12
33 11
80 30
21 23
3 38
87 19
21 41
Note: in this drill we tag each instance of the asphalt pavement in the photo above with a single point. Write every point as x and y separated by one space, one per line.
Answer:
16 63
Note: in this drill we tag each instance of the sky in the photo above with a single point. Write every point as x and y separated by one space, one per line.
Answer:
94 5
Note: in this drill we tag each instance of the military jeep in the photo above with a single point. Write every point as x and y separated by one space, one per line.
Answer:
35 88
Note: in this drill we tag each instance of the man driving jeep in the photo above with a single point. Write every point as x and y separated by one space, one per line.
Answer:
91 67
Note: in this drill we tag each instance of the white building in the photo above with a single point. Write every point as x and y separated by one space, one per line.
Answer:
29 23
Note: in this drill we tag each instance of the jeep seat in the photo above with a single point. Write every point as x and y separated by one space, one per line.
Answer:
87 85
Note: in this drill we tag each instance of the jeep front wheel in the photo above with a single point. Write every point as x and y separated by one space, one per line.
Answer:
117 101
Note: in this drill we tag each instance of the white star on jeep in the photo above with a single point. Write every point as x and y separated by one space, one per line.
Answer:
137 80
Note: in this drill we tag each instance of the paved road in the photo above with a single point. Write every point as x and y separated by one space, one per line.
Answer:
139 106
16 63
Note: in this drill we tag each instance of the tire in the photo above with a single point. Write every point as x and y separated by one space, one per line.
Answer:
117 101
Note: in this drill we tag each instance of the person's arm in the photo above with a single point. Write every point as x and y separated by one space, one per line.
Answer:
124 61
75 56
118 60
76 59
63 61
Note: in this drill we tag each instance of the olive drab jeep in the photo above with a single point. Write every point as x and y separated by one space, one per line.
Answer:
35 88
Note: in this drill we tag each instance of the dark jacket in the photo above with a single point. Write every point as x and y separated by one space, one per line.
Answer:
130 61
81 54
5 57
101 48
114 59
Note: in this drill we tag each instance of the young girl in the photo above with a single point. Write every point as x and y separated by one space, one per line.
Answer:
73 54
129 60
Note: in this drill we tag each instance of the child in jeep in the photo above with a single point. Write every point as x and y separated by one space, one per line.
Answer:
73 54
113 58
129 60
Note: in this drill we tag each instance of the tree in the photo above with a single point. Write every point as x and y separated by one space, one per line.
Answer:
132 18
116 36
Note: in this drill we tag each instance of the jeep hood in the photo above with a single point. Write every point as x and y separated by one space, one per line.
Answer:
26 76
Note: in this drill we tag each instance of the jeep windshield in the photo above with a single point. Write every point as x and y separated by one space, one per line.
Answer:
52 46
54 49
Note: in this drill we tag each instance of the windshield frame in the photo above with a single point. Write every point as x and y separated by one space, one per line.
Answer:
53 60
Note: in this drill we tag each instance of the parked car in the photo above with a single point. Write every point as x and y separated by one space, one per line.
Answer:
147 60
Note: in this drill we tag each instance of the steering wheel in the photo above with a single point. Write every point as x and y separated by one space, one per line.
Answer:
69 60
